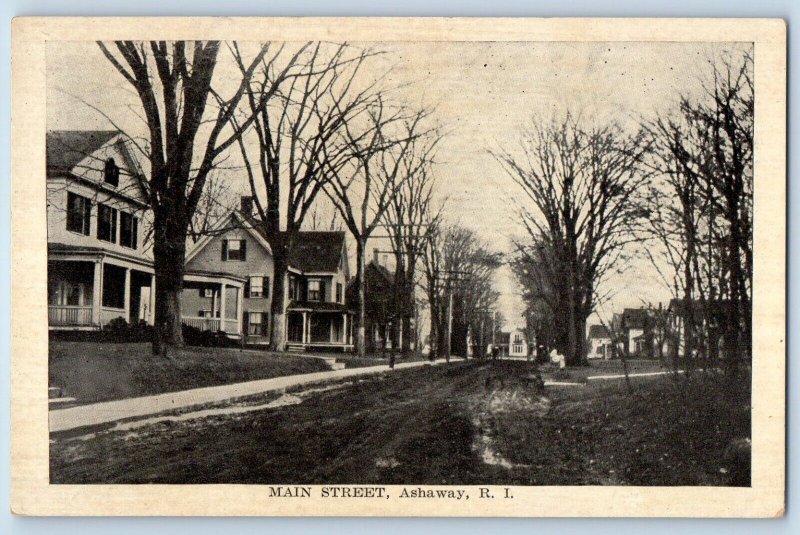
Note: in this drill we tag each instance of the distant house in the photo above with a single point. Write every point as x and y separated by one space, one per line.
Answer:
512 344
97 266
379 310
600 343
235 261
518 344
710 318
635 328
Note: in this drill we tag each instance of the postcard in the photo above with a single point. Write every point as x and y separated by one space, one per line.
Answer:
399 267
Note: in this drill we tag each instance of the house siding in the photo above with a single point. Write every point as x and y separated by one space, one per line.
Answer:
258 262
123 198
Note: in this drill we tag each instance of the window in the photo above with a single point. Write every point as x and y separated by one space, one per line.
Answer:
111 173
113 286
314 289
106 223
70 293
207 292
128 230
338 292
258 286
517 339
79 213
234 250
256 324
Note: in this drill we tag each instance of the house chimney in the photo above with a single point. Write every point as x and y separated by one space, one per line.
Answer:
376 257
246 207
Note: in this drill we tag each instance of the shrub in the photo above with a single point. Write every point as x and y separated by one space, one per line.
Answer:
119 330
193 336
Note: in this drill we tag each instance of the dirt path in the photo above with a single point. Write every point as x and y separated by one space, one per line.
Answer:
466 423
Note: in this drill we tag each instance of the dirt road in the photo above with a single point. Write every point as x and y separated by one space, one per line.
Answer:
464 423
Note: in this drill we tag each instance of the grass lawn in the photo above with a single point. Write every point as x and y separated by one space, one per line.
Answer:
354 361
462 423
601 367
91 371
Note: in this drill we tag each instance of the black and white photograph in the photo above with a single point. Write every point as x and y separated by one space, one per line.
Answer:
401 270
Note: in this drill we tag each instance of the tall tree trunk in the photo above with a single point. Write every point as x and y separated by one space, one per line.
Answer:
362 284
168 254
280 298
434 334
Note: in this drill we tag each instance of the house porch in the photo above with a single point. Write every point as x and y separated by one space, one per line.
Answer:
213 302
315 329
86 292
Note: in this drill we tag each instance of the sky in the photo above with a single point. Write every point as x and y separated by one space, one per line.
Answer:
483 95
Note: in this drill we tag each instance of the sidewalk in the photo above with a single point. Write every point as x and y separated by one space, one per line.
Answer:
112 411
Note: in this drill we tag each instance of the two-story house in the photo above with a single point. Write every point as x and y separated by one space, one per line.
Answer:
318 315
97 266
229 276
379 310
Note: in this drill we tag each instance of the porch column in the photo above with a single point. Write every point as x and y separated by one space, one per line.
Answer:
345 335
127 293
222 300
239 309
152 307
97 292
305 321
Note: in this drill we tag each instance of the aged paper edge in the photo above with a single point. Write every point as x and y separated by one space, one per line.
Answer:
33 495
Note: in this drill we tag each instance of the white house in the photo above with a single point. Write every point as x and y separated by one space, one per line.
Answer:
98 269
517 344
600 344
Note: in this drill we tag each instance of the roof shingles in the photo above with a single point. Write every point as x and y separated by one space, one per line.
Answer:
67 148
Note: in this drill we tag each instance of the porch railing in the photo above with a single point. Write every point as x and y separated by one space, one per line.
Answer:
69 315
204 324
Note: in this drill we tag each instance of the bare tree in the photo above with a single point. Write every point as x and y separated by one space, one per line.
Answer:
173 84
215 203
580 186
362 189
407 228
703 157
459 271
319 91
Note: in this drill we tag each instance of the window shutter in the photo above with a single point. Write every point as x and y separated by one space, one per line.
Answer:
135 233
224 250
246 323
322 291
87 216
244 250
264 322
267 287
247 287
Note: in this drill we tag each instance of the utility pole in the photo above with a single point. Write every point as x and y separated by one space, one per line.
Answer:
449 339
494 327
450 275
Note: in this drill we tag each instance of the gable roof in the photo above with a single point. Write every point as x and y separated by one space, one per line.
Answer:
67 148
233 220
317 251
598 331
636 318
312 252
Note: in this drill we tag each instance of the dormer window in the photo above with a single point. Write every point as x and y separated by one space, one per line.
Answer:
111 173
